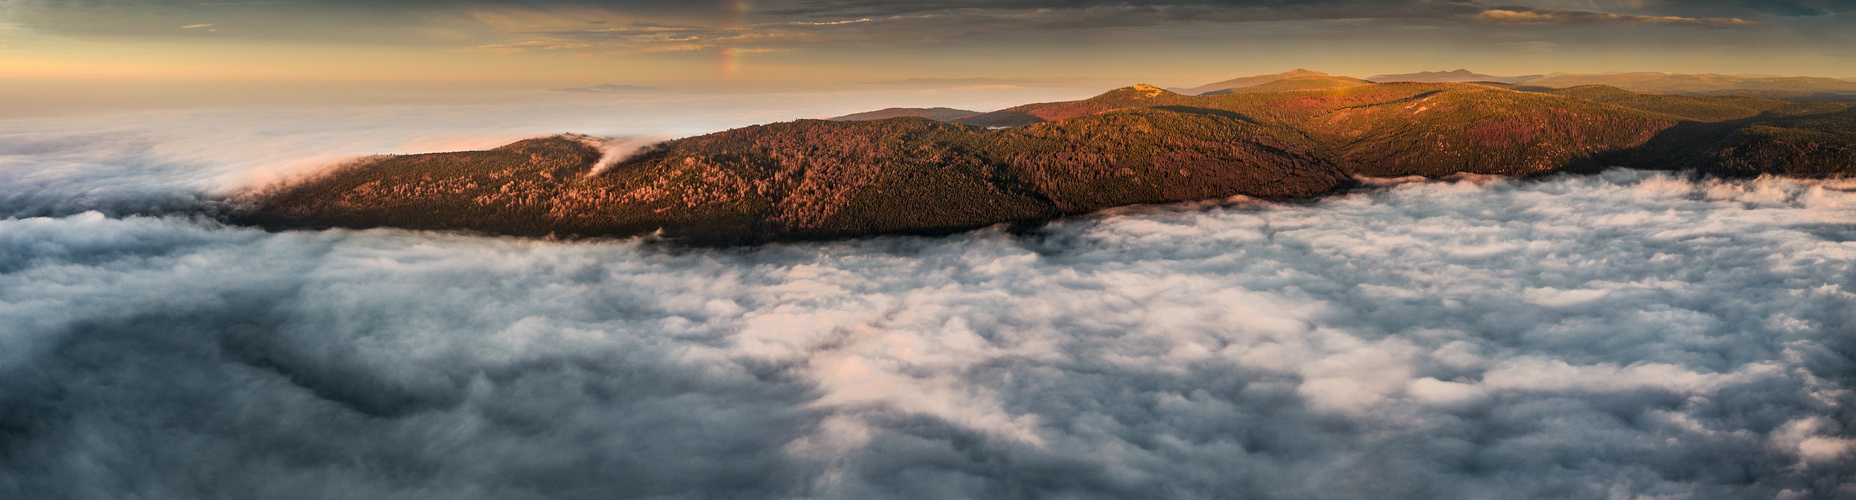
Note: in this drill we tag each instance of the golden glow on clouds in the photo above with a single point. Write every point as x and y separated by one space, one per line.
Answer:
730 61
1545 16
599 32
538 45
271 62
1512 16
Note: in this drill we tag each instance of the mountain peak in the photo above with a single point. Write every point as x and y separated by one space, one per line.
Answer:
1140 90
1149 89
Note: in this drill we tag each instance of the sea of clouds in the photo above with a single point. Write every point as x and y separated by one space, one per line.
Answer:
1624 335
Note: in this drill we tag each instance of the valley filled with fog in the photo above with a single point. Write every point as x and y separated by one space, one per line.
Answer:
1623 335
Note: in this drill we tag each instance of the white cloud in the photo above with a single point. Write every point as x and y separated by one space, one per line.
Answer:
1622 335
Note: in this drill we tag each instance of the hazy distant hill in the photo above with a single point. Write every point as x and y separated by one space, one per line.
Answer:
1673 83
936 114
1461 75
1134 96
610 88
989 82
1141 144
1301 83
1248 81
1126 97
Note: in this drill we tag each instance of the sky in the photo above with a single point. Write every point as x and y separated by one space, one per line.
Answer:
1627 334
103 53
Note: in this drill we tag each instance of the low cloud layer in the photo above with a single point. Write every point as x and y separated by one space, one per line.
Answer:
1618 336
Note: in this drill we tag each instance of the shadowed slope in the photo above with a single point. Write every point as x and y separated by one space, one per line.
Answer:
1700 108
1817 144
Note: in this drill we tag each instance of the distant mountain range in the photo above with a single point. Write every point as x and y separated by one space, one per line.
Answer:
949 82
1780 87
1772 87
1461 75
1247 81
988 82
1299 83
1134 145
936 114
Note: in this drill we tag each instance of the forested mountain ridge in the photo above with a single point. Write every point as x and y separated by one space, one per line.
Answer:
1142 144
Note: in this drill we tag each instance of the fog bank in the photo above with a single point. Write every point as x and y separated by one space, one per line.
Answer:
1625 335
1629 335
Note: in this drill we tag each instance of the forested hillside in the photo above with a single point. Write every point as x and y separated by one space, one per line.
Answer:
1140 144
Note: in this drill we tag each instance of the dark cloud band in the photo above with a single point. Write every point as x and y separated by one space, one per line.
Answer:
778 21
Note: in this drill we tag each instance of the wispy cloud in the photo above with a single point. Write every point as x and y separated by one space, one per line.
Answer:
506 26
931 23
1527 16
1532 47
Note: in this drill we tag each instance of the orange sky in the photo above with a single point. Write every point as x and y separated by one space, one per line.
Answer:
123 51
